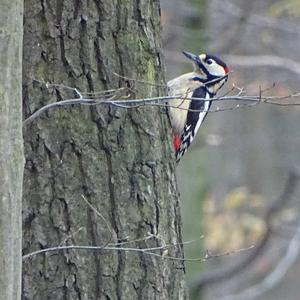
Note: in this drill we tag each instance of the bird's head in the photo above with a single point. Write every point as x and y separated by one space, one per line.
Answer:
209 68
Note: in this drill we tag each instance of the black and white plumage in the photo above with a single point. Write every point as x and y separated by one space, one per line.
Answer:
195 116
209 75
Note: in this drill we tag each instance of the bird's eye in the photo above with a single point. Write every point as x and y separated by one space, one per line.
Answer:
209 61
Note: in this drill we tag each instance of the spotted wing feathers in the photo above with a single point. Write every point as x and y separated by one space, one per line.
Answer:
197 112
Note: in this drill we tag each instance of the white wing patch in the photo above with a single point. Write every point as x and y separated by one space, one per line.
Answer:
181 86
202 114
188 135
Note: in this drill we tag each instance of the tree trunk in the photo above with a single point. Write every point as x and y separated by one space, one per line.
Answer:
11 148
119 161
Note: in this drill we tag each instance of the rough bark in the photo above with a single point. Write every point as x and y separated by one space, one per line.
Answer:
121 161
11 148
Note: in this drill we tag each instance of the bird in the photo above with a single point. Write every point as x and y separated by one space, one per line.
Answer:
186 115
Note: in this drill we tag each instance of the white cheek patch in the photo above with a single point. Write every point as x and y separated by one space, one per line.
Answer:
216 70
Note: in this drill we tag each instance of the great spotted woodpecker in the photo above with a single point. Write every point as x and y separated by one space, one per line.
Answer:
209 75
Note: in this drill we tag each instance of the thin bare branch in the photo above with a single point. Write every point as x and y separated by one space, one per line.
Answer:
148 251
135 103
275 207
110 247
71 235
83 247
112 97
276 276
97 212
80 94
56 105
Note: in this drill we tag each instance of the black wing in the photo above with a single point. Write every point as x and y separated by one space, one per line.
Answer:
197 112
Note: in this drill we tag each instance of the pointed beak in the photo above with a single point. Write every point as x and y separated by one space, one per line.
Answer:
196 60
191 56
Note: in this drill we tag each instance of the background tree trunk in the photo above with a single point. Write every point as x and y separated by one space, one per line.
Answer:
11 148
120 161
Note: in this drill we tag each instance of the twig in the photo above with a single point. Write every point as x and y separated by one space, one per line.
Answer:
109 97
148 251
275 276
96 211
72 234
162 99
209 255
56 85
225 274
58 104
80 94
102 248
108 247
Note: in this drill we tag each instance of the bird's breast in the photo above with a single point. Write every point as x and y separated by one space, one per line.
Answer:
182 87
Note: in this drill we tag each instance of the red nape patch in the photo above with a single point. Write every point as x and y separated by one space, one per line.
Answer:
176 142
226 69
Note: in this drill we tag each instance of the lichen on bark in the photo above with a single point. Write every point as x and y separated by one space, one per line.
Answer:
121 161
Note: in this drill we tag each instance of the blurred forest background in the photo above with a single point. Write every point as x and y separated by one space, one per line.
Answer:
234 181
